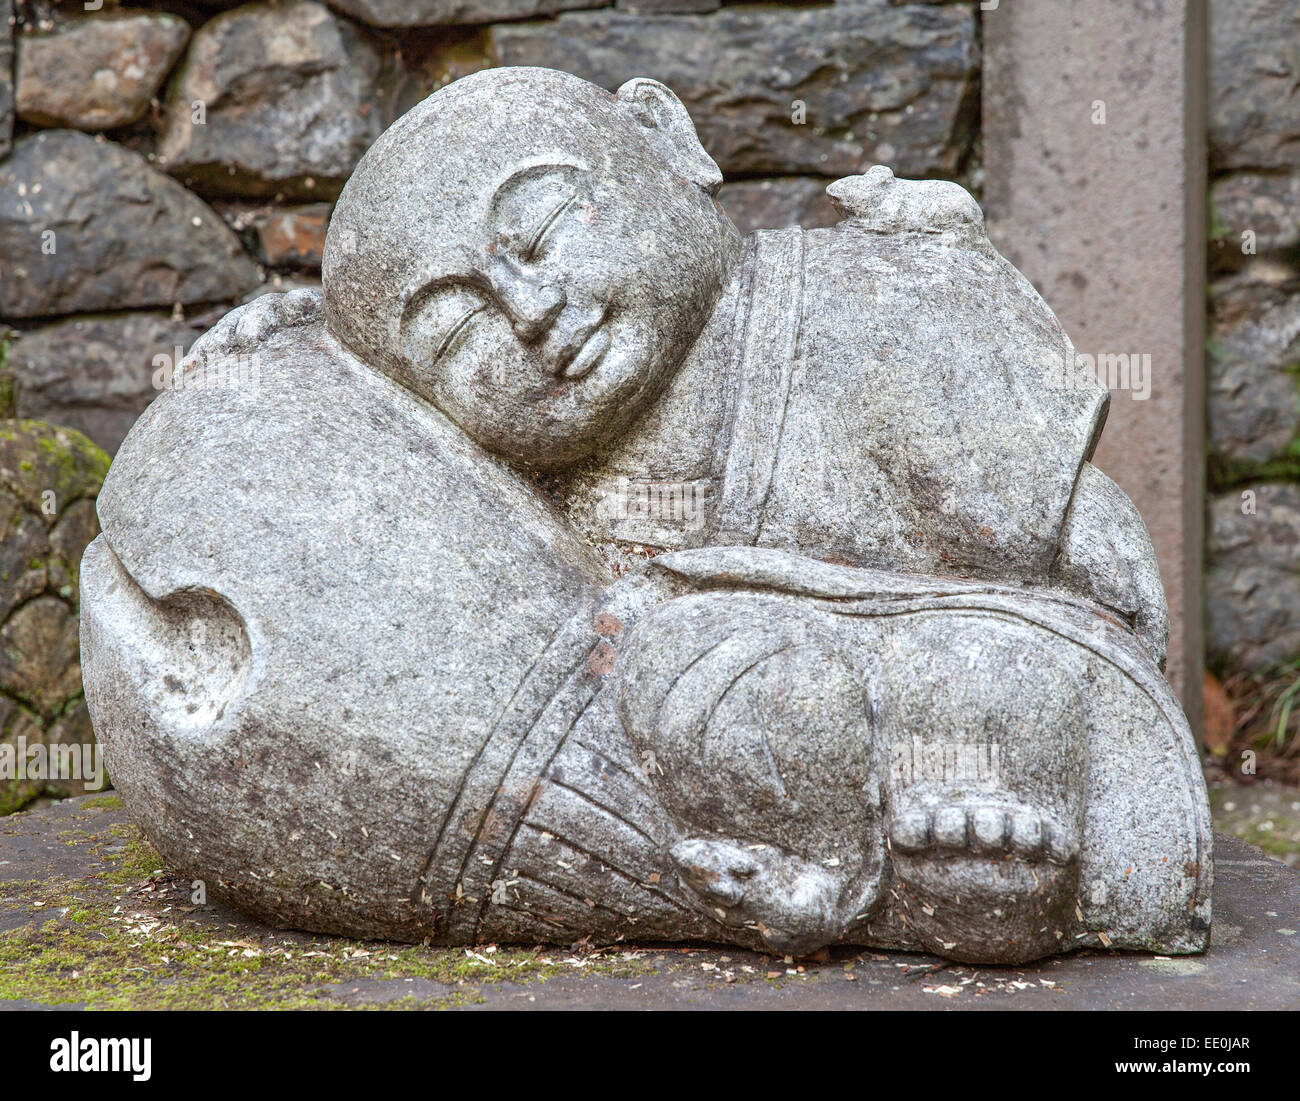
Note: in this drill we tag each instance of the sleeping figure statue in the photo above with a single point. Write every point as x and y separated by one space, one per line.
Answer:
573 567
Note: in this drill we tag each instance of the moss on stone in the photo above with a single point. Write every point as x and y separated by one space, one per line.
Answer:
104 802
36 457
1226 473
128 936
44 469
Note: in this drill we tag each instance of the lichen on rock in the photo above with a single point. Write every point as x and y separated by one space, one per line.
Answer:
49 477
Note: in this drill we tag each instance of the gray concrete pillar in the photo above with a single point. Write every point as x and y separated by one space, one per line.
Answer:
1094 160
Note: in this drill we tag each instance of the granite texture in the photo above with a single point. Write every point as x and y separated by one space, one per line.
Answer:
521 586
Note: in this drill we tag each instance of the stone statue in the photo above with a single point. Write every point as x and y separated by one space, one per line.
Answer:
575 568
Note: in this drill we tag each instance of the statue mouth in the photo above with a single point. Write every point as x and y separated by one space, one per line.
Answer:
593 348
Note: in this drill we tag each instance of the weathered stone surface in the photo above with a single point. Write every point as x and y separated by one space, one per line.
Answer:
1261 284
48 480
88 225
668 7
1063 191
1253 583
288 101
96 374
98 72
1265 204
6 75
880 83
278 283
420 13
79 856
1254 66
885 687
778 203
292 237
1254 399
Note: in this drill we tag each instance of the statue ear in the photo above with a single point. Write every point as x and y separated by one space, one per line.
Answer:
670 131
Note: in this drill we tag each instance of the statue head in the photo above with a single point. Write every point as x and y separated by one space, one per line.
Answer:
531 254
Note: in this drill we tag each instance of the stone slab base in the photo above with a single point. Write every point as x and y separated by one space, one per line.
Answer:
89 920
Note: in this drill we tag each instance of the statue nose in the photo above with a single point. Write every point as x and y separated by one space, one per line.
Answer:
531 304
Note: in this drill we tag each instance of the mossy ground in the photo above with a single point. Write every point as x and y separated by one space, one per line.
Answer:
1264 814
128 935
88 918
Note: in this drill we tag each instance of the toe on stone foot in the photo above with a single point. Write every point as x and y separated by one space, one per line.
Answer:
950 827
1025 833
988 829
909 832
980 829
1059 845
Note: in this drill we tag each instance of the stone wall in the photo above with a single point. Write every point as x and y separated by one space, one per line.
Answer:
162 162
171 159
1253 580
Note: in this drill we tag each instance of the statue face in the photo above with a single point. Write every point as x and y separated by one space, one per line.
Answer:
577 294
562 256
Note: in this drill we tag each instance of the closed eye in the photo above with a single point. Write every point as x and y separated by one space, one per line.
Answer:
455 330
546 224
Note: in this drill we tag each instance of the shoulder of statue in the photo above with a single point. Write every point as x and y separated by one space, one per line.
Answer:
879 202
249 327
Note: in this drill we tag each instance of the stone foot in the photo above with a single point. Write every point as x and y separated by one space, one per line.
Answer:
982 827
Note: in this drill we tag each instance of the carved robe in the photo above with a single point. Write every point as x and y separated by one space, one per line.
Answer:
871 409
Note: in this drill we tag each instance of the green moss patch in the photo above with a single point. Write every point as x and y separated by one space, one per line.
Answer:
127 935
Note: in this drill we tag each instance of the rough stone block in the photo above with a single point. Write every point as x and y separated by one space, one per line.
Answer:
878 82
89 225
1254 67
1253 585
96 374
98 72
420 13
273 99
1263 204
1254 387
